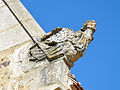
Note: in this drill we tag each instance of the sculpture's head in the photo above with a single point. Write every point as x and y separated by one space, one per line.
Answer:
89 24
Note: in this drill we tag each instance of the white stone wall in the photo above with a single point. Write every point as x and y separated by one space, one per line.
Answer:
11 32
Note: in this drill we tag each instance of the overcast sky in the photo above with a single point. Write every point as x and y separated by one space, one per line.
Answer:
99 68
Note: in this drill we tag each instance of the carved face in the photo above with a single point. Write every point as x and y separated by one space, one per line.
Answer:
89 24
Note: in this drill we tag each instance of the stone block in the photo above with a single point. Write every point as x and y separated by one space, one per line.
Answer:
33 28
19 10
7 20
12 37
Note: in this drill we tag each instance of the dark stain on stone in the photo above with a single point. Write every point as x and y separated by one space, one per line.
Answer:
6 63
2 59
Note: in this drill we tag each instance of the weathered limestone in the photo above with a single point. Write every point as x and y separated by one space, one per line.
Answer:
27 75
24 66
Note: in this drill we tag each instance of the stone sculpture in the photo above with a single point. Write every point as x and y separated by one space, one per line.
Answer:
64 43
24 66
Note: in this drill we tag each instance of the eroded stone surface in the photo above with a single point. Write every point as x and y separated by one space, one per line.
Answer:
28 75
23 74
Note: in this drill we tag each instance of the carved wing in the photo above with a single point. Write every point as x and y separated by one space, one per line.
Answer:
58 35
54 31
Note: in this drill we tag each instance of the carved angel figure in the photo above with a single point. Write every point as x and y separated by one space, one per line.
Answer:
65 43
